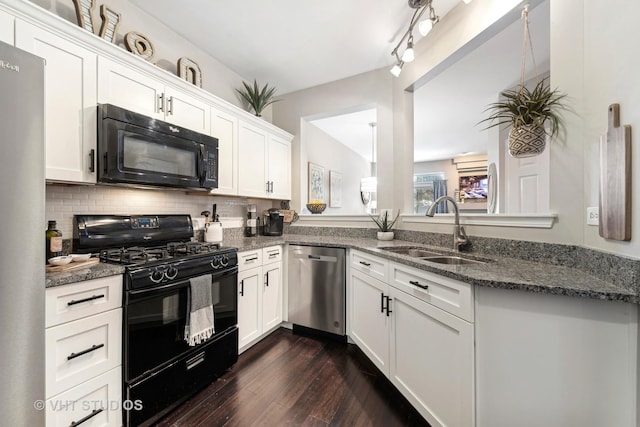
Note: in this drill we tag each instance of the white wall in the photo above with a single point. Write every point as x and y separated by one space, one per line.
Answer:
332 155
367 90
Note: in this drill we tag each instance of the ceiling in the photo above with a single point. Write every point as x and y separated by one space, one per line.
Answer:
294 45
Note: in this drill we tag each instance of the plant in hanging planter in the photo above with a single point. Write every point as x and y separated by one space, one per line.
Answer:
385 225
527 111
257 98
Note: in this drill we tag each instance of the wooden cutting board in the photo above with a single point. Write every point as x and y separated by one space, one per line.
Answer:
72 265
615 179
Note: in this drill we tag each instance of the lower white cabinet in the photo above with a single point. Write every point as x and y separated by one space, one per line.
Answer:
259 294
426 352
83 342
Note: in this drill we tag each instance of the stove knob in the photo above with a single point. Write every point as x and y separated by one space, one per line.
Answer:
171 272
215 262
156 276
225 261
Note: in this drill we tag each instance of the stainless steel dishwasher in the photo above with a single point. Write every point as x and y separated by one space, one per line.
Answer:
317 288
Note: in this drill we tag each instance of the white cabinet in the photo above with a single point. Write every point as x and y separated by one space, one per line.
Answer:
432 360
83 342
264 168
70 103
129 88
224 126
369 320
6 28
259 294
416 327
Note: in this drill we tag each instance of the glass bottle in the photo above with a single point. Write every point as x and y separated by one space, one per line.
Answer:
54 241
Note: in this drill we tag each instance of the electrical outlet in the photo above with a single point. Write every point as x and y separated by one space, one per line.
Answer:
593 216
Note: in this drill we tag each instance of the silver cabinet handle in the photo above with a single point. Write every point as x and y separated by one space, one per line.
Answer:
160 104
170 105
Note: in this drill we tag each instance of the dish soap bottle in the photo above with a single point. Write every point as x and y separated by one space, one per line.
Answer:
54 241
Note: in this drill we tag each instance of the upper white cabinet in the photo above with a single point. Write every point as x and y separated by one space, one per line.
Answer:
264 166
70 103
129 88
6 28
224 126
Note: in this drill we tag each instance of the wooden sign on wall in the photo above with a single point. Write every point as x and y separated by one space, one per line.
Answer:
615 179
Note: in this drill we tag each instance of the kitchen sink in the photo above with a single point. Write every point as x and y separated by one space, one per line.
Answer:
412 252
451 260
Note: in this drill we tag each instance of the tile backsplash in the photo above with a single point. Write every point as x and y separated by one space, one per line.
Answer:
64 201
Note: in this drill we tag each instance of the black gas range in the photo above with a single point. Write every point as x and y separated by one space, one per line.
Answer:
160 368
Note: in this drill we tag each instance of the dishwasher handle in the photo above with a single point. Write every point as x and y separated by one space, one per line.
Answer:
322 258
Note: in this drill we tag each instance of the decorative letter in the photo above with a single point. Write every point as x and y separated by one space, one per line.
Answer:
83 12
190 71
110 21
139 45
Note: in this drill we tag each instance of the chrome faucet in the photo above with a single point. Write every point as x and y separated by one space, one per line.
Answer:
459 236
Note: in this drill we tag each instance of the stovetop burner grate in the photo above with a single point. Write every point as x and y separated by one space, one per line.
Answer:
143 255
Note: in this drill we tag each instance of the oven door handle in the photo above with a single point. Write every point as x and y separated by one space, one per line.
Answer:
182 284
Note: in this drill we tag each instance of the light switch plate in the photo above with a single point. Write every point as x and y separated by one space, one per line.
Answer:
593 216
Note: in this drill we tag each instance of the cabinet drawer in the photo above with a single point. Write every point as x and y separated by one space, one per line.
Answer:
450 295
249 259
272 254
80 350
370 265
71 302
85 402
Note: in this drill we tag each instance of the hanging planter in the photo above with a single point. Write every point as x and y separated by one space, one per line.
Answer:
528 111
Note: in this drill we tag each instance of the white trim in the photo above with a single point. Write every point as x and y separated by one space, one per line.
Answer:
495 220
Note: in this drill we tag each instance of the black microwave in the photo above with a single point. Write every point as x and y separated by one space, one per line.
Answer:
140 150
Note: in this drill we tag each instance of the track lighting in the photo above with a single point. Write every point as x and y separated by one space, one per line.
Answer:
424 26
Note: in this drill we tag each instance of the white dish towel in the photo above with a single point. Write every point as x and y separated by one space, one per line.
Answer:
200 321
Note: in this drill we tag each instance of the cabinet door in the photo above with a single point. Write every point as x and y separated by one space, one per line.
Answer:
6 28
187 111
127 88
432 360
70 102
279 168
224 126
252 164
272 296
369 319
249 305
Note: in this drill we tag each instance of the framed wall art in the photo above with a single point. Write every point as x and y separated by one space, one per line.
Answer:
335 189
316 182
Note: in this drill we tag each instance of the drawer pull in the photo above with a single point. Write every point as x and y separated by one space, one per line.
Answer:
416 283
366 264
251 259
195 361
388 305
274 254
87 418
80 301
381 302
89 350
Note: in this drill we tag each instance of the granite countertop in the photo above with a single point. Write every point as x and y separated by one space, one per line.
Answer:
496 272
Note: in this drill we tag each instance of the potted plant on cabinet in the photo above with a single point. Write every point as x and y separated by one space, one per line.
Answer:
385 225
257 98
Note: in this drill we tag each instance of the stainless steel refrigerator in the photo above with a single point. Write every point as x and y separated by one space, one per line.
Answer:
22 237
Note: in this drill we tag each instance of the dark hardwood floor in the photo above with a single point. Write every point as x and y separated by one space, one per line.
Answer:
294 380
